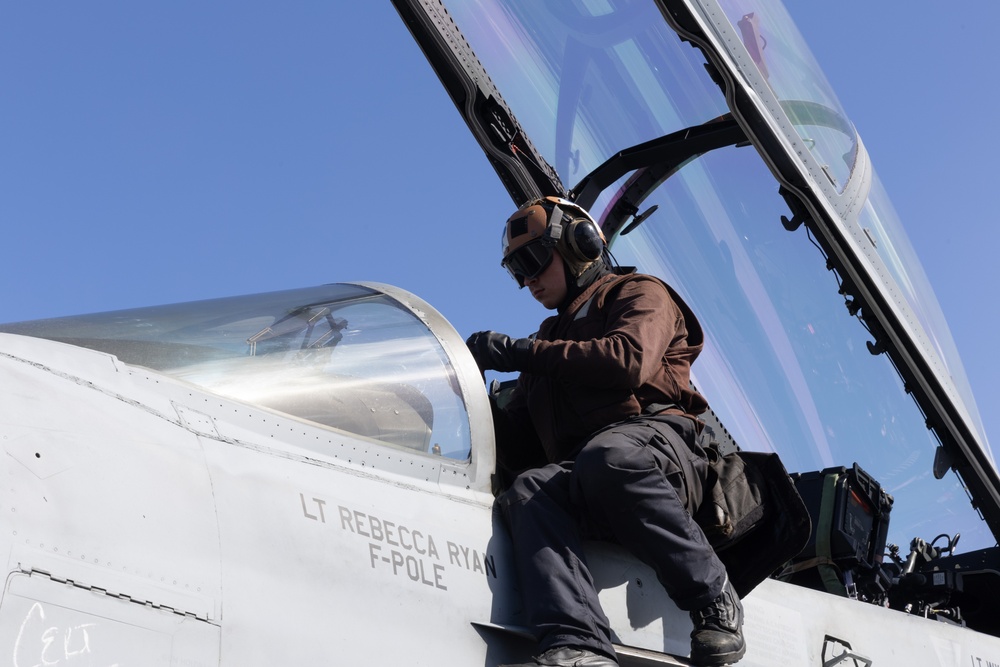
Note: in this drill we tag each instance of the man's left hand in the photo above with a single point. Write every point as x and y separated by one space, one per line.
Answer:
499 352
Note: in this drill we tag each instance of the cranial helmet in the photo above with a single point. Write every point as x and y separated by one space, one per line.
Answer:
544 225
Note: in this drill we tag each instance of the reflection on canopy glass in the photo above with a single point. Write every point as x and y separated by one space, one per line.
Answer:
343 356
785 366
785 62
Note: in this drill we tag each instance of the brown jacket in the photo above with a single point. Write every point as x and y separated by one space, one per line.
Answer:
625 344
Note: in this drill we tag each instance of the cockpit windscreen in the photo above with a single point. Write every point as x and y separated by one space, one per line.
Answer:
344 356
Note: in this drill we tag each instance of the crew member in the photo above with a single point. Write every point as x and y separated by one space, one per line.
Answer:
599 440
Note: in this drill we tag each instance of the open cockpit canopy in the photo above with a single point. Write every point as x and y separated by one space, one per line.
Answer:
705 139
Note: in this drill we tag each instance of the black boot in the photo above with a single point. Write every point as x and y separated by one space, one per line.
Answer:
566 656
717 638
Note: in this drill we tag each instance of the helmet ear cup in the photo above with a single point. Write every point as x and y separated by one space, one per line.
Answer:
586 243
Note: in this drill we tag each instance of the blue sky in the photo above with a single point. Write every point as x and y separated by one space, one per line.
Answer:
162 152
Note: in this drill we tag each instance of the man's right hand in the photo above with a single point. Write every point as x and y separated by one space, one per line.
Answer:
499 352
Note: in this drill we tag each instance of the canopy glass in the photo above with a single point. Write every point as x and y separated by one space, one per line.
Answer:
343 356
786 367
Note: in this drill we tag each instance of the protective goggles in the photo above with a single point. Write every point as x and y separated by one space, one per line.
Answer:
528 261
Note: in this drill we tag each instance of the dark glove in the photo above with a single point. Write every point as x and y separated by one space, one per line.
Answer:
495 351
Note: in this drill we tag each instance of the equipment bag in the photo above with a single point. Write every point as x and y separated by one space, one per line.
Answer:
752 515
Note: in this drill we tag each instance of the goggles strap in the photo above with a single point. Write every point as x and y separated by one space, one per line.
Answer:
555 228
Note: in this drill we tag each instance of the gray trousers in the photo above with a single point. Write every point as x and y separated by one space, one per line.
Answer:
635 483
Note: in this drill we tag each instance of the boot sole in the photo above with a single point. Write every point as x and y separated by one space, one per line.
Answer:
718 659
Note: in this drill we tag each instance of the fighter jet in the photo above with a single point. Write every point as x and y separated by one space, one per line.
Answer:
307 476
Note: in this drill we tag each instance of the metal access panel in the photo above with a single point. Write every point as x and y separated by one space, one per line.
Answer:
46 622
